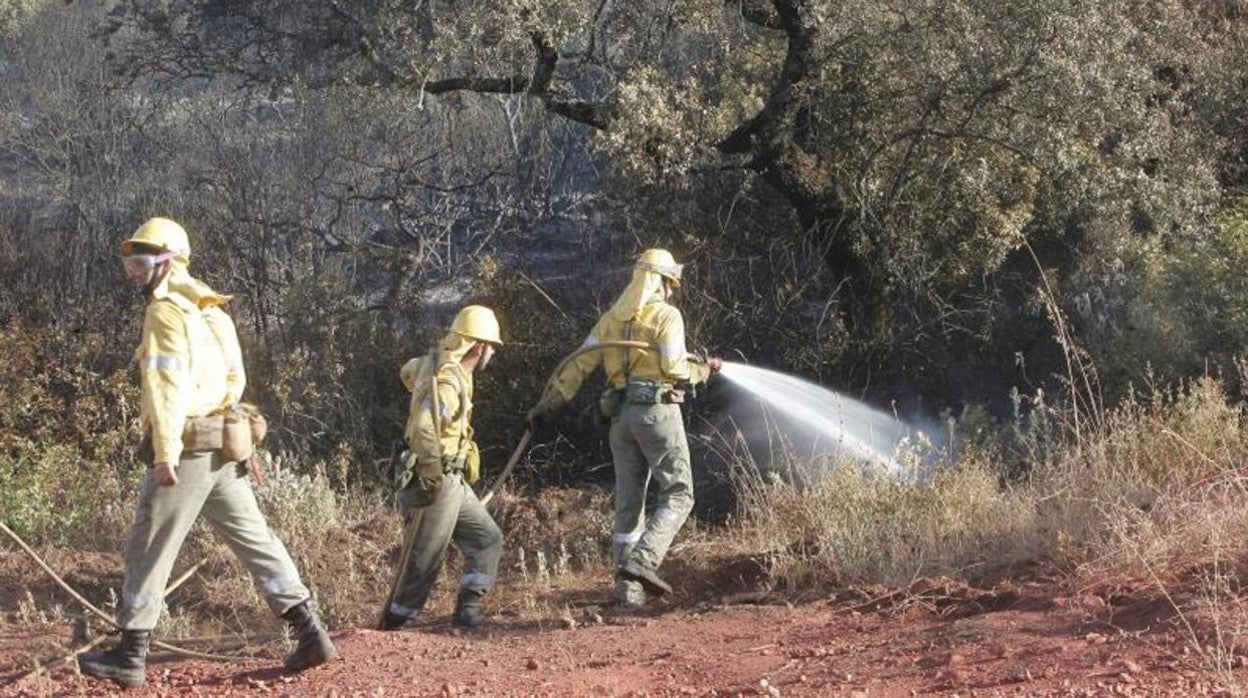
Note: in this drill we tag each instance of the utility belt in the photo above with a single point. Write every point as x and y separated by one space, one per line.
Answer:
454 464
467 463
234 431
638 391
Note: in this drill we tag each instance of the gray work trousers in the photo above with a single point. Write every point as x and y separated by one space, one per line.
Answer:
648 441
455 516
220 492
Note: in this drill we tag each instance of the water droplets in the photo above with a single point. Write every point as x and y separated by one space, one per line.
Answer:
841 424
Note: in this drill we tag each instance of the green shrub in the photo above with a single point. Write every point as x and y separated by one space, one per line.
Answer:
49 499
299 506
67 426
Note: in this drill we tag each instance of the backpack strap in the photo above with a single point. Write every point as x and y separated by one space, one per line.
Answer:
188 308
456 373
435 404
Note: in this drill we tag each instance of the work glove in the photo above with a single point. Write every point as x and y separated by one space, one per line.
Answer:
420 492
701 368
539 416
536 419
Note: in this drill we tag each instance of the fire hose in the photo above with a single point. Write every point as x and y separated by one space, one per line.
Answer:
168 647
413 522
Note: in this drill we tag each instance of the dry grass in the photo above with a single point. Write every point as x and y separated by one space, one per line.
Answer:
1153 490
850 526
1152 496
1147 489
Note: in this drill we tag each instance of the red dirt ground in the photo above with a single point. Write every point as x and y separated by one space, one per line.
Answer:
936 637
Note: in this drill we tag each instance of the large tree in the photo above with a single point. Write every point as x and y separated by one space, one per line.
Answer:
865 117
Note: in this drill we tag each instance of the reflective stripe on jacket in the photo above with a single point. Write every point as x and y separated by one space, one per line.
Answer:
190 366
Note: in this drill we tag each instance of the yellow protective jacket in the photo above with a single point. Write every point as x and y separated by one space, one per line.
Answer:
189 361
447 430
657 323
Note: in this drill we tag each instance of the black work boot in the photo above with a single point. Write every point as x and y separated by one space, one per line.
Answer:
312 647
468 609
628 595
392 621
648 578
124 663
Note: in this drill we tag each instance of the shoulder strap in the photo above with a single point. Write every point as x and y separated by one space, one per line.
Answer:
457 373
187 308
628 354
436 404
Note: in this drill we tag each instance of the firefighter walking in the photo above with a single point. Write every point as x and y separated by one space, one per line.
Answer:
435 477
192 377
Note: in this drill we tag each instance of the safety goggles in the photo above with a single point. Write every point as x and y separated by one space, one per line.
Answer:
671 271
143 264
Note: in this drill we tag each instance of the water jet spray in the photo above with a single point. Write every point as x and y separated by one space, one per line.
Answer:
840 423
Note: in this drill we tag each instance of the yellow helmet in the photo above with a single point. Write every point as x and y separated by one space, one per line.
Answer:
660 262
160 233
477 322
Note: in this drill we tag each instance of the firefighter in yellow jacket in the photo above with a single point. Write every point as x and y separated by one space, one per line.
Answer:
191 371
647 433
434 482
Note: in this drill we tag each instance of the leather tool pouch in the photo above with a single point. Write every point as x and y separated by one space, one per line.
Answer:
236 438
203 433
259 425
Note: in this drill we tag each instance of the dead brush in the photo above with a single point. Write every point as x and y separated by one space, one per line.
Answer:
834 521
1151 459
556 551
1155 498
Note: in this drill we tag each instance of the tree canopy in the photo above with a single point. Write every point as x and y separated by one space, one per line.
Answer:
901 198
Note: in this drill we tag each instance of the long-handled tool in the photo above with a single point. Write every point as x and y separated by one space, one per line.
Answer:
511 464
409 540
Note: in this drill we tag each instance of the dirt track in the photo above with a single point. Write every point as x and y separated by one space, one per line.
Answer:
934 638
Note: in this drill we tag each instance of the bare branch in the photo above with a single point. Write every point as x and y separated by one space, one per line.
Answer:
600 116
510 85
